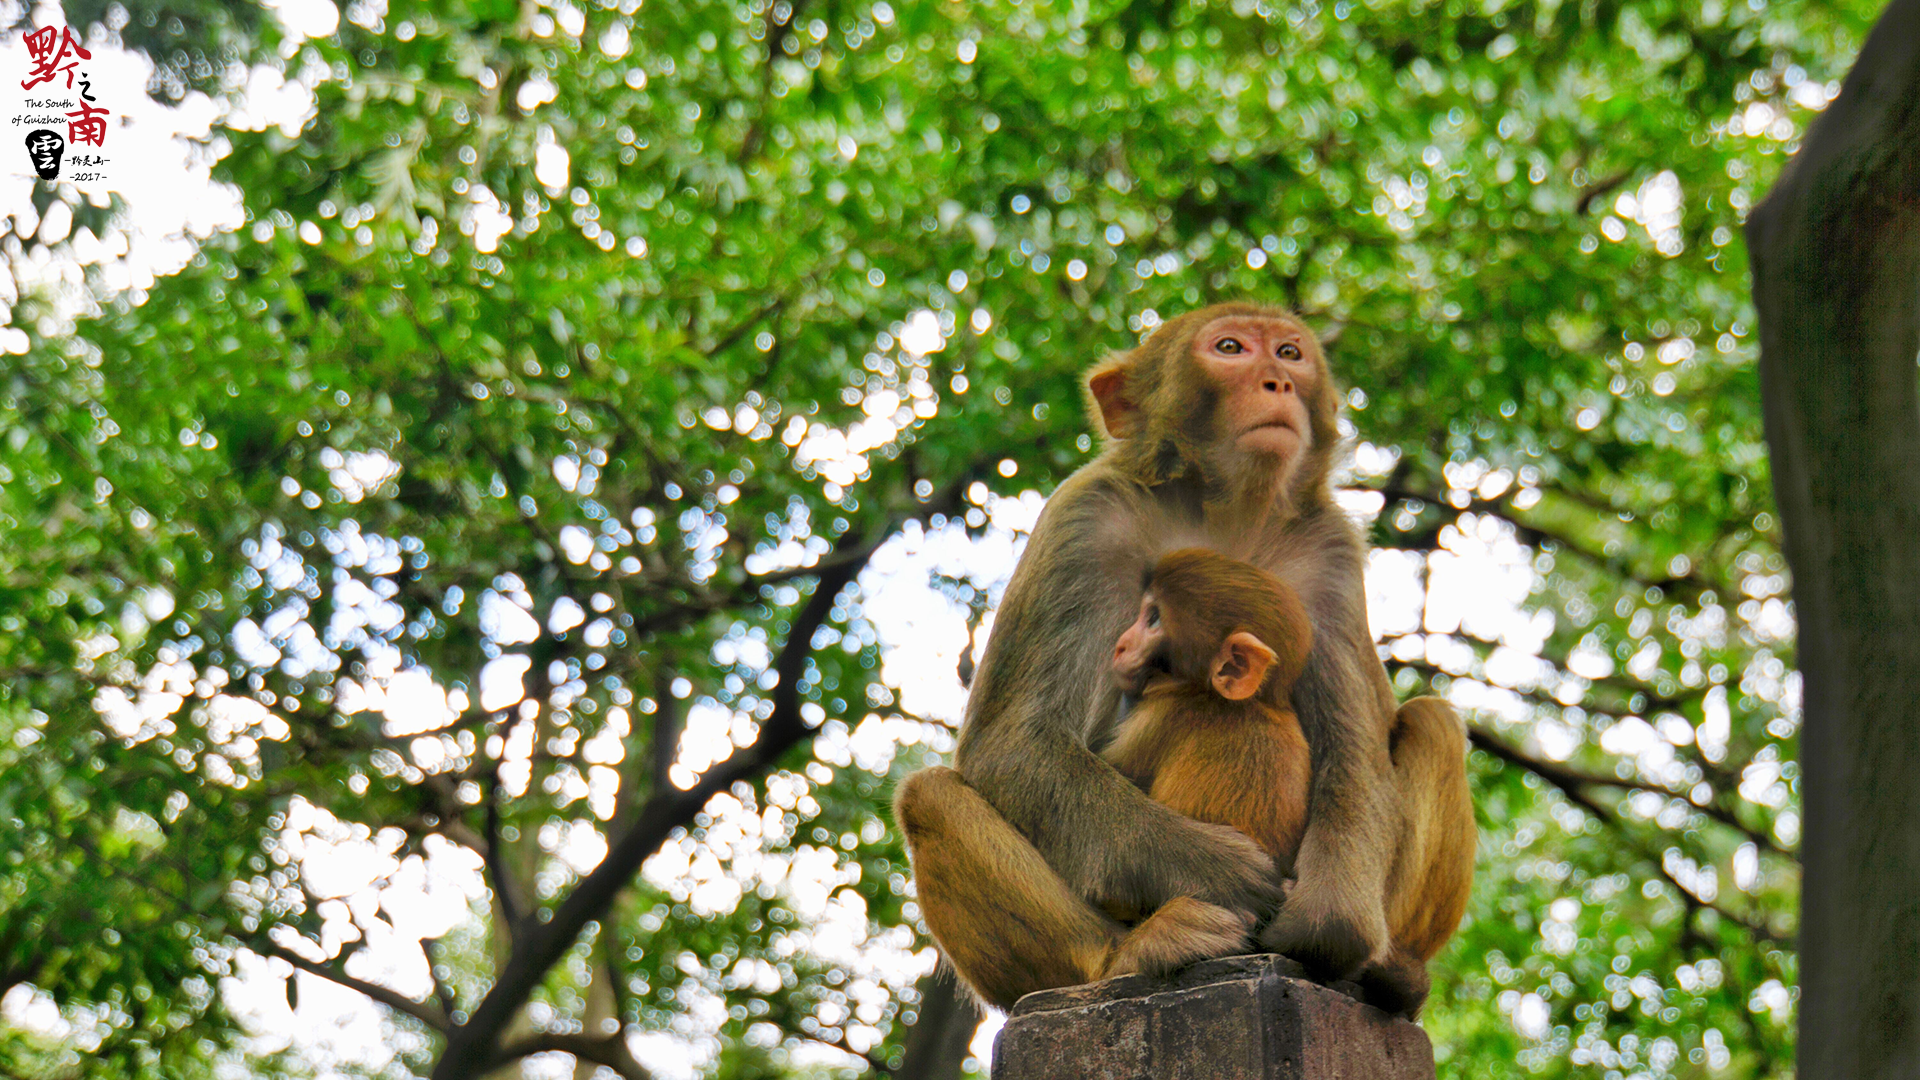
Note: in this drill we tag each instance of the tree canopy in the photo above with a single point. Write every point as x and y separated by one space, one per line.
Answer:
609 430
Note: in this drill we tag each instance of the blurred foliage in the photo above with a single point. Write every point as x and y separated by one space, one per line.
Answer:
597 314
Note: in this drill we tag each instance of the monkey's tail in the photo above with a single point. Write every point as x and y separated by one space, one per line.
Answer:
1435 860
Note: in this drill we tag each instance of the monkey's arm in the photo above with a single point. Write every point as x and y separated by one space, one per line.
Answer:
1040 693
1142 742
1334 918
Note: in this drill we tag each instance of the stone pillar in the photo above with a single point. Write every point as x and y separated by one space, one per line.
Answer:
1242 1018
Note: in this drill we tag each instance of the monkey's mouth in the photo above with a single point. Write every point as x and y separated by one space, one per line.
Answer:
1134 680
1280 424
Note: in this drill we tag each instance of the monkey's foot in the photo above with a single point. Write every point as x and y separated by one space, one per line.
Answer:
1183 931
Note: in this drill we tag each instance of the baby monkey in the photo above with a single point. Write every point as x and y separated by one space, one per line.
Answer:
1211 661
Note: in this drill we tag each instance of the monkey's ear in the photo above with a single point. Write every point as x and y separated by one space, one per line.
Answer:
1113 408
1241 666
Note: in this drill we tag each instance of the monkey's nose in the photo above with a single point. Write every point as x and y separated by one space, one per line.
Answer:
1278 386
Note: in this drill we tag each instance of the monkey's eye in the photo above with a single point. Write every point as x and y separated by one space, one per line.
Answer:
1289 351
1153 617
1229 346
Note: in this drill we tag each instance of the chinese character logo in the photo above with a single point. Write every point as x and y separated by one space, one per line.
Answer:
44 147
54 52
51 49
85 126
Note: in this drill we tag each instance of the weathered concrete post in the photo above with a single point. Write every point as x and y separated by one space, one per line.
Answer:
1243 1018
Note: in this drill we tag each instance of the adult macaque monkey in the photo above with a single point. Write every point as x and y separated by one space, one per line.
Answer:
1221 433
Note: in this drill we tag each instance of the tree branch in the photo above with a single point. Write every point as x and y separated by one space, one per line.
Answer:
1758 929
506 891
541 945
1654 700
392 999
1573 786
610 1051
1600 190
774 577
666 732
1569 779
1534 536
728 338
441 991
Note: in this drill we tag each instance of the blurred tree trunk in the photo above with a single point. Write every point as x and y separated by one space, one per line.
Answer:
1836 279
942 1032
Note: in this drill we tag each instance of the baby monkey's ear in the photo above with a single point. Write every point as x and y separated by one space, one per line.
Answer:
1240 667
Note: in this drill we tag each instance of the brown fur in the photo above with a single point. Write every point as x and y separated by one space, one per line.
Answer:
1239 763
1019 861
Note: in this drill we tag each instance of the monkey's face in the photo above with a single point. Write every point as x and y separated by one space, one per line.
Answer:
1265 369
1142 649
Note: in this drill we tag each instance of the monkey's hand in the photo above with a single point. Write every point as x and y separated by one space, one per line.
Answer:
1214 863
1332 933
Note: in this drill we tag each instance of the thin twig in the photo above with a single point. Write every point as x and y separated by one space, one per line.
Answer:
1571 786
392 999
1569 779
610 1050
505 889
441 991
